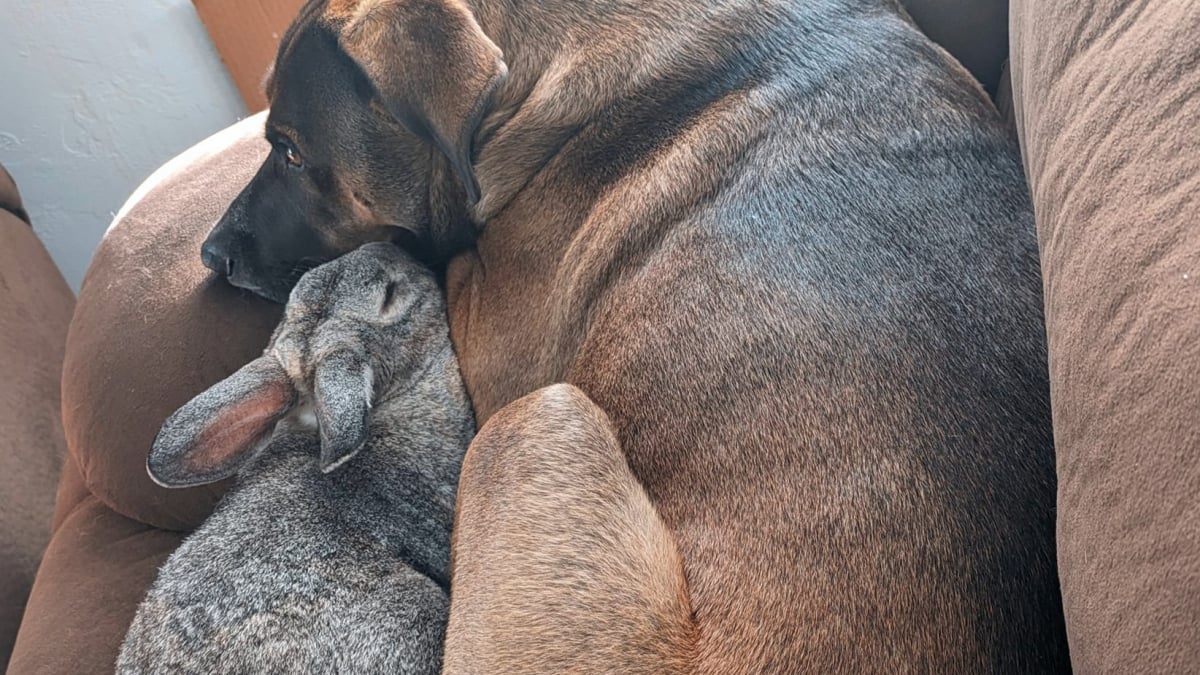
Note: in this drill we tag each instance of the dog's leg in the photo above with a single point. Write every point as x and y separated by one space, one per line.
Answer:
561 563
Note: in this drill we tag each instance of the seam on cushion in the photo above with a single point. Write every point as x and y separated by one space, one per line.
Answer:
75 455
68 534
73 519
10 200
62 510
93 488
77 512
119 541
100 496
18 212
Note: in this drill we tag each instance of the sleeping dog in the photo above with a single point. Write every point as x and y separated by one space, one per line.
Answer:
777 260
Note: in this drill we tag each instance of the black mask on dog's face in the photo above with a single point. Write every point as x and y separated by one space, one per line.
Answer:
351 160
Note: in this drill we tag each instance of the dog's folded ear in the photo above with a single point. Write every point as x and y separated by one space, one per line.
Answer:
432 66
342 393
217 432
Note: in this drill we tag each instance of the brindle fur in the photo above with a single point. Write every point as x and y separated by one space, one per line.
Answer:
786 247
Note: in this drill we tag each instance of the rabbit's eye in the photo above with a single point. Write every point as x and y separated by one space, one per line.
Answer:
389 298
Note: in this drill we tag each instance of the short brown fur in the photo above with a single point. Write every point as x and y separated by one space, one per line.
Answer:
571 569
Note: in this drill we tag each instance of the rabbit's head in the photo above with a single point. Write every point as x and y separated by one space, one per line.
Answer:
354 329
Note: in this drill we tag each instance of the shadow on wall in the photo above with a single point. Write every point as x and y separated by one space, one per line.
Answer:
96 95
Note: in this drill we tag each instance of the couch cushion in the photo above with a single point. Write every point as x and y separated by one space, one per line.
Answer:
153 328
35 307
1107 99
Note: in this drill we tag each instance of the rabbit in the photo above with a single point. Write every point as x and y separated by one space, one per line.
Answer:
305 567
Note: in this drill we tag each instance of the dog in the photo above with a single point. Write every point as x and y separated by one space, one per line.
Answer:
747 300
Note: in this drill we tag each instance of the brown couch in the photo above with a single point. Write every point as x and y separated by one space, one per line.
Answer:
1106 99
35 307
1108 106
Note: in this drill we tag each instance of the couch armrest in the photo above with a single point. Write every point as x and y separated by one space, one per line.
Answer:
35 306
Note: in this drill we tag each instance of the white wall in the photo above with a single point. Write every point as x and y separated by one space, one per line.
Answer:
94 95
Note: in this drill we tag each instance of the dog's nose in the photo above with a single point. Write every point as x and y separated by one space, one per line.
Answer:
215 259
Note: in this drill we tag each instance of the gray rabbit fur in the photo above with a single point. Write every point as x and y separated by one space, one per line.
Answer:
308 566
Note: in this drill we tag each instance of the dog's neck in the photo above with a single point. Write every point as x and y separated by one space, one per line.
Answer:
561 74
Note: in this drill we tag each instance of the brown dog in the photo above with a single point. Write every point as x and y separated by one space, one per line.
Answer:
783 252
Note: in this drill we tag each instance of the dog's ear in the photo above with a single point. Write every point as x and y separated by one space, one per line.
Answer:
217 432
432 66
343 387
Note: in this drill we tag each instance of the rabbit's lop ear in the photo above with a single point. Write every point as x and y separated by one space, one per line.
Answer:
217 432
342 393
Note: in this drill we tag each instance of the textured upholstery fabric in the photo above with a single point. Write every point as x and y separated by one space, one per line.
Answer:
35 306
1107 98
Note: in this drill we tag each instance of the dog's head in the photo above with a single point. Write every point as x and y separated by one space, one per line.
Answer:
374 105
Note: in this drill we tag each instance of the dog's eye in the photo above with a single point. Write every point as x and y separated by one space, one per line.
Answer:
291 156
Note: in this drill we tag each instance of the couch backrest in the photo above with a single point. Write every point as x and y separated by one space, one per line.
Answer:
1107 96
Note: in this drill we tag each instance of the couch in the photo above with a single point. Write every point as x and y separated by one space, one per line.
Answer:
35 308
1105 99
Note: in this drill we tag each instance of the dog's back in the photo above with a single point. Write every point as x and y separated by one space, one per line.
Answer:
822 347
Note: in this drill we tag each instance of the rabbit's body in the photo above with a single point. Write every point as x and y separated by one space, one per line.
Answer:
300 571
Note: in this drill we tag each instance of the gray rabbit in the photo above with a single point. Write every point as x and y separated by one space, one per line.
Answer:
303 569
